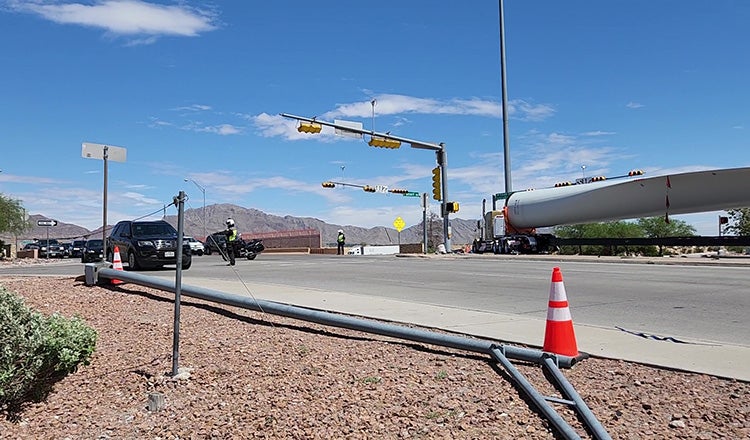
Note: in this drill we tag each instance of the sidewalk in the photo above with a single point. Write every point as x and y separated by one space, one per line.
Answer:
718 360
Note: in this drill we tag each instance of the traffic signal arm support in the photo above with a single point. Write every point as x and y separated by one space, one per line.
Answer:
403 140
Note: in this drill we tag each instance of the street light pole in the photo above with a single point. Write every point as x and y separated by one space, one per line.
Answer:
203 190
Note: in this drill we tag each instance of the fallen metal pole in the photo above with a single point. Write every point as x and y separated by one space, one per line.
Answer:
558 422
342 321
580 406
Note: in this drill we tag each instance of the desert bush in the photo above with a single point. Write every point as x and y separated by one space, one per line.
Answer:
37 351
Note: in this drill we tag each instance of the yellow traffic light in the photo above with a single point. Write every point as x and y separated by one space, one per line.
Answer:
369 188
436 191
383 142
398 191
309 127
328 184
635 173
451 206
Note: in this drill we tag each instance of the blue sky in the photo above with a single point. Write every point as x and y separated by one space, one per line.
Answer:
194 90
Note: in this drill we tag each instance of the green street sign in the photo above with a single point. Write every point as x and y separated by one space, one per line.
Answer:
411 194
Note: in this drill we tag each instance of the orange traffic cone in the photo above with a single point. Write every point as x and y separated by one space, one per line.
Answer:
116 265
559 337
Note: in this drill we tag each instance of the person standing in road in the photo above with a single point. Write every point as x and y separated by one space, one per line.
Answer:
232 236
340 240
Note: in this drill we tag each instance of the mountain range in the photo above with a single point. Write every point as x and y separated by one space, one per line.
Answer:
251 220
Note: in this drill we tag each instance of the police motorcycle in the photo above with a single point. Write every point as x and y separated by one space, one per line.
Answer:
242 249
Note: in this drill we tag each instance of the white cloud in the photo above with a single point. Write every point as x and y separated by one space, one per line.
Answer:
223 129
392 104
139 199
195 108
633 105
598 133
278 126
124 17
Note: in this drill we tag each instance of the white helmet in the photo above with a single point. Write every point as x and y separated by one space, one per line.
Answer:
341 231
230 223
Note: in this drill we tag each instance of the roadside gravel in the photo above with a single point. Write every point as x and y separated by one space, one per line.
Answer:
252 375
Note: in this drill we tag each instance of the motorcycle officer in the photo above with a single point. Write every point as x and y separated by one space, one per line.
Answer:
232 240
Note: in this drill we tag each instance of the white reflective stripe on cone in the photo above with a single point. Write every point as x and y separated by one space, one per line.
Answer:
559 314
557 292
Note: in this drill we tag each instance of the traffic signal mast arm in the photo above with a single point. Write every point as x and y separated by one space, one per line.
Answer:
372 134
366 188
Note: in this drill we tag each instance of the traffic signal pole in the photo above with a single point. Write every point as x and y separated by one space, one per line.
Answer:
442 161
439 150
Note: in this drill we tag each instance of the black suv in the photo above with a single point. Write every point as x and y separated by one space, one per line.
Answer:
50 248
147 244
92 251
76 248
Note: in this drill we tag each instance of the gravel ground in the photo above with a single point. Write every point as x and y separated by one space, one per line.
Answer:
252 375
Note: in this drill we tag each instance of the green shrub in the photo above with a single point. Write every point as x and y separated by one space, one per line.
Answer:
36 352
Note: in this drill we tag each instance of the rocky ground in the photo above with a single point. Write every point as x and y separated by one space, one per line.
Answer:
252 375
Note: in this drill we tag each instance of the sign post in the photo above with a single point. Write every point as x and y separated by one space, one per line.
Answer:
399 225
47 223
104 152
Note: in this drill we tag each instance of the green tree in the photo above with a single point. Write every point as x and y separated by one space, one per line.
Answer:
657 227
739 222
12 216
613 229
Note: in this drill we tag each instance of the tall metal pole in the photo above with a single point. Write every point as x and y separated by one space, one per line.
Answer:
442 160
104 209
180 203
506 142
424 223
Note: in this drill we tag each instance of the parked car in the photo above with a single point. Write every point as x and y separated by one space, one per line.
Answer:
196 246
147 244
92 251
67 248
76 248
50 248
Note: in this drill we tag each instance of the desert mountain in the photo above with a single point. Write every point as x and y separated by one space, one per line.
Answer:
251 220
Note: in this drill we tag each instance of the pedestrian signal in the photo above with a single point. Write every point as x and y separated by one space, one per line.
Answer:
451 206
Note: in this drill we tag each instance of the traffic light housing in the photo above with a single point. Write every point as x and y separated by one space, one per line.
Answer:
309 127
328 184
635 173
436 188
451 206
398 191
368 188
383 142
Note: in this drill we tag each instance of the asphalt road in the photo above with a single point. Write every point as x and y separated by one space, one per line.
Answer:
708 303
